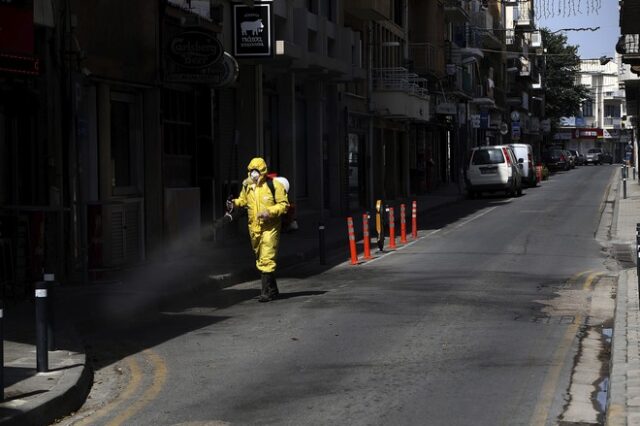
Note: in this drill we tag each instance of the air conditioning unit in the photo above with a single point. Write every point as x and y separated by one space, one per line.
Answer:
536 39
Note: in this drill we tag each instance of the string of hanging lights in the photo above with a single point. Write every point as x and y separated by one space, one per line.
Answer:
566 8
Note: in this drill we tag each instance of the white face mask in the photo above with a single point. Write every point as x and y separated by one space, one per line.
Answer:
255 175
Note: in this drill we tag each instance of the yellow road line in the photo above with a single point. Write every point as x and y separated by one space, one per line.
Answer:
132 387
545 400
159 378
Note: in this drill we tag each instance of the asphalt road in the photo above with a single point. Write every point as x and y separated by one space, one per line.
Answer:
481 322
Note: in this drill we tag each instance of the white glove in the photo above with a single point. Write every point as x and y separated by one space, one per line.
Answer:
264 215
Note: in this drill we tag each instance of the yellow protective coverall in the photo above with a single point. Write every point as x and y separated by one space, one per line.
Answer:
257 198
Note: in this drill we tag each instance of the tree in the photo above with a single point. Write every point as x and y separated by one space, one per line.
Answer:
563 96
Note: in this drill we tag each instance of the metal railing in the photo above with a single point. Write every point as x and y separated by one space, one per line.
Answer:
401 80
628 44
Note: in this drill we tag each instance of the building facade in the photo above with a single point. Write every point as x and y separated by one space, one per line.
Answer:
125 125
604 121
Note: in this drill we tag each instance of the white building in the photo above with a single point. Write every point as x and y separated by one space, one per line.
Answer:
603 121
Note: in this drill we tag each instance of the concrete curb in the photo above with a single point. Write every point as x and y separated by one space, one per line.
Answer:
617 397
65 397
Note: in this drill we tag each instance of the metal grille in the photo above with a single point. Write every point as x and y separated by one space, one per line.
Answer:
400 79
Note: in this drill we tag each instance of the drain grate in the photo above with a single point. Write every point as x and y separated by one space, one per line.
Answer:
624 254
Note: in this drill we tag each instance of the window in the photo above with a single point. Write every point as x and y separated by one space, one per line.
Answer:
125 143
328 6
398 12
587 108
612 111
312 5
487 156
121 143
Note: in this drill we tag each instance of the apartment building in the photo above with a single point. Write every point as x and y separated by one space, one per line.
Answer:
628 47
603 122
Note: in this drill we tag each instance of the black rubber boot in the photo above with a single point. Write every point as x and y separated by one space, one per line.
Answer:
265 295
273 286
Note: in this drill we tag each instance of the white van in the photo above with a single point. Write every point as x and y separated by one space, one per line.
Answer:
493 168
524 151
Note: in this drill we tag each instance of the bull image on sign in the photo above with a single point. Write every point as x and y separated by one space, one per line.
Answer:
253 27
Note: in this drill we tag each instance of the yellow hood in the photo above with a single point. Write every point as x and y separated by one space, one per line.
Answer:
258 164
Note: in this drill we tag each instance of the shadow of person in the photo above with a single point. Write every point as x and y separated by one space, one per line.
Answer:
293 294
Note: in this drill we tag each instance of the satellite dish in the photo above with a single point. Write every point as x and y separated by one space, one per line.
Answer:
504 129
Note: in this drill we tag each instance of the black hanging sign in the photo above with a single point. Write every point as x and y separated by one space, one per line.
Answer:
252 30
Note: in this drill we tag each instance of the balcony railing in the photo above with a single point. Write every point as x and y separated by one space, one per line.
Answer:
399 94
401 80
614 122
523 15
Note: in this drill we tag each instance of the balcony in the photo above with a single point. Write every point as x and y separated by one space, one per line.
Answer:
615 95
523 17
457 10
628 46
460 84
612 122
375 10
484 93
399 94
487 31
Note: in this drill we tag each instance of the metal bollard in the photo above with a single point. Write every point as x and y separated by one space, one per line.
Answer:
624 182
321 244
380 225
1 350
42 354
414 220
638 256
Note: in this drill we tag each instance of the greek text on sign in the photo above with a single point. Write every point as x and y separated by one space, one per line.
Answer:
252 32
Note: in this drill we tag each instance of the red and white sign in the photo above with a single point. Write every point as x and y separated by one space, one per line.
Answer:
587 133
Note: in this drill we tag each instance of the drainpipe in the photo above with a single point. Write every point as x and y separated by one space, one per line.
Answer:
369 157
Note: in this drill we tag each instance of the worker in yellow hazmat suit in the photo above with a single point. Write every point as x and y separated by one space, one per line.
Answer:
264 209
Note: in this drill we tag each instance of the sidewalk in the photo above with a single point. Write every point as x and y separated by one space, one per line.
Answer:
33 398
624 392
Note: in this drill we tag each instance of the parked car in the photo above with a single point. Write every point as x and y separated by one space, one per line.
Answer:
525 152
555 159
598 156
580 158
493 168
